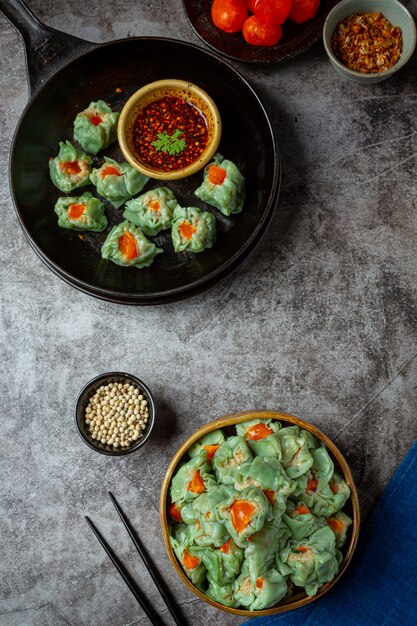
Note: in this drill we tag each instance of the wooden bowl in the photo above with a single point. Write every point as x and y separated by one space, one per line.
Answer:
352 506
155 91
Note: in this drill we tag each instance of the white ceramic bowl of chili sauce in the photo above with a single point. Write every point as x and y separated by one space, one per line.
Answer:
394 12
169 129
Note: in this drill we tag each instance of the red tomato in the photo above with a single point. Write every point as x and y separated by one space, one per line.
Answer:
275 11
259 32
303 10
229 15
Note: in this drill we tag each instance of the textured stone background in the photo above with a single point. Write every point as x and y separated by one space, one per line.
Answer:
319 322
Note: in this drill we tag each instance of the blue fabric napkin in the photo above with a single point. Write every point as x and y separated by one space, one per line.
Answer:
379 587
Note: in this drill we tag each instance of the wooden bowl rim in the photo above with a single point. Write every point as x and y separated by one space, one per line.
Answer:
231 420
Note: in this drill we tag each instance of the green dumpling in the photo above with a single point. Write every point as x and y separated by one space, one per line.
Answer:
322 502
197 536
188 557
262 547
223 186
223 563
204 513
82 213
244 513
188 514
191 480
300 521
229 457
126 245
312 562
266 473
296 455
210 443
95 128
70 169
339 523
260 436
192 229
269 589
222 594
321 489
117 182
152 211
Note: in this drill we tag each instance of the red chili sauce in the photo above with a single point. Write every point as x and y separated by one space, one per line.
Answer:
169 116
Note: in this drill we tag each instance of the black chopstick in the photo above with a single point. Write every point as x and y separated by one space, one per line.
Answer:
159 582
140 597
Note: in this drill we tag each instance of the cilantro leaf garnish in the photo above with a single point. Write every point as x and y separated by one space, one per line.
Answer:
170 143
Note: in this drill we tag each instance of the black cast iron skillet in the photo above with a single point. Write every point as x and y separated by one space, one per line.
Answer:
65 74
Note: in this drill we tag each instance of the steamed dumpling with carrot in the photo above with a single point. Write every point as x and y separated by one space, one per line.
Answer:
81 213
223 186
268 589
117 182
95 128
244 513
260 437
210 443
192 479
192 230
311 562
152 211
126 245
70 169
191 563
231 455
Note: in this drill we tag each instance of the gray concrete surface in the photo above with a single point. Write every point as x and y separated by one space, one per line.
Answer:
319 322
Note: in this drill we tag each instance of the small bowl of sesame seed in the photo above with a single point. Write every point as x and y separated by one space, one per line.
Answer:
115 413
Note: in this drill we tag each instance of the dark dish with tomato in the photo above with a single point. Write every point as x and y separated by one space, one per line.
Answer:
169 134
264 26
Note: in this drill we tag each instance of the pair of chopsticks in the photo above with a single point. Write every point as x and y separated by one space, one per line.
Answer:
159 582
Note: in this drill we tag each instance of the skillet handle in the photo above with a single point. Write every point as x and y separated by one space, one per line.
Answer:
47 49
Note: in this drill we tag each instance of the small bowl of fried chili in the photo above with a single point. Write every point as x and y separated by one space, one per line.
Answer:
169 129
368 41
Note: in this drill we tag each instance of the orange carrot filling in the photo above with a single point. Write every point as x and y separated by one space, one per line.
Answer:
302 549
155 205
302 510
196 484
96 120
70 167
225 548
333 487
270 494
174 512
335 524
216 174
312 485
211 451
259 583
241 512
127 246
259 431
75 211
189 560
109 170
186 230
